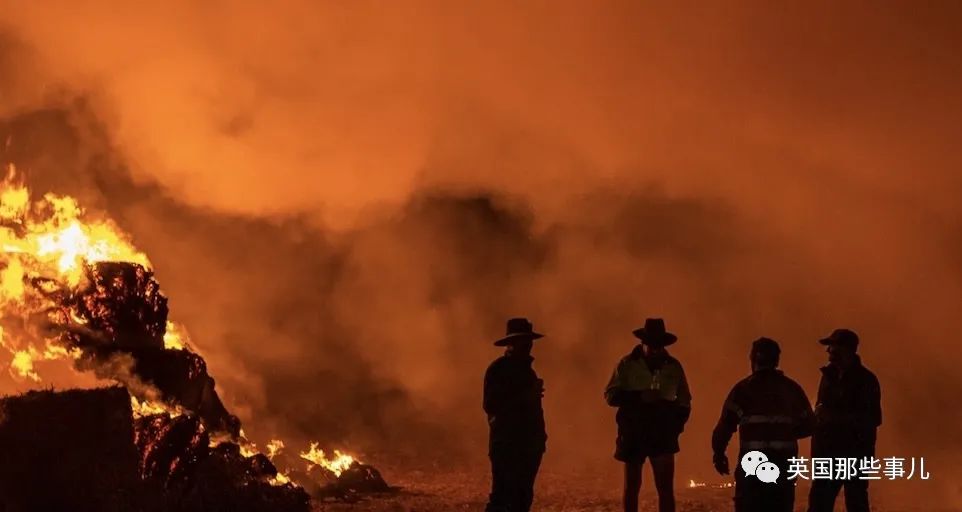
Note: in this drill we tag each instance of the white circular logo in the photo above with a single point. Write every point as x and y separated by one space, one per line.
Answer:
751 460
767 472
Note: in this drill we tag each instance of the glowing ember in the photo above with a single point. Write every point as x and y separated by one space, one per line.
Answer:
697 485
337 465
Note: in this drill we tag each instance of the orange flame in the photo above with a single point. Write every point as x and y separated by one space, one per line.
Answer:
46 238
337 465
51 238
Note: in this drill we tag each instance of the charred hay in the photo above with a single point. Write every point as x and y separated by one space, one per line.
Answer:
117 321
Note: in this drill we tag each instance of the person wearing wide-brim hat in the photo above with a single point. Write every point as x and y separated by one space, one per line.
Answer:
512 401
651 393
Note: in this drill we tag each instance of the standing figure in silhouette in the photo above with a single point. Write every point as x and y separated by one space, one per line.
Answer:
771 413
512 401
847 414
651 393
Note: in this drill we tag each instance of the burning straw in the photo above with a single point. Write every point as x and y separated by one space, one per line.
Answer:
78 290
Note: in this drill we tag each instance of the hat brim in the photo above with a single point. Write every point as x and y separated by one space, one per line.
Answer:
661 339
511 338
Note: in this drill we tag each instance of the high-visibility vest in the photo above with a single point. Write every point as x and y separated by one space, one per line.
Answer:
633 374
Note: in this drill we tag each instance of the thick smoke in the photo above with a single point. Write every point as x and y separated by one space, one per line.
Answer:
344 203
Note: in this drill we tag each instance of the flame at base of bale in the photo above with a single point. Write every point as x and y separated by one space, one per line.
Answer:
337 465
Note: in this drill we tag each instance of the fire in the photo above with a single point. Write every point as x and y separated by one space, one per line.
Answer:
143 408
280 479
337 465
698 485
48 238
274 447
47 246
175 337
22 363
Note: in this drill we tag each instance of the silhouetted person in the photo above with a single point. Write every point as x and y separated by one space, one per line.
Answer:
771 413
651 393
847 414
512 400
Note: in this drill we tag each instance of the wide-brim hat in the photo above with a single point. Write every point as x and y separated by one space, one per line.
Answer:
654 333
843 337
518 329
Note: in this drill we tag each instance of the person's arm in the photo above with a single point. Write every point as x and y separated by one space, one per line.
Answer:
804 415
684 400
727 424
822 414
614 391
724 430
870 413
496 391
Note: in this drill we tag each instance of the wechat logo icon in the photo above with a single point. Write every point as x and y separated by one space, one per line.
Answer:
756 464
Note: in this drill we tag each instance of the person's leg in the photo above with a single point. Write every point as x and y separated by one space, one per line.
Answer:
501 485
632 486
742 497
856 495
531 465
663 466
787 496
821 497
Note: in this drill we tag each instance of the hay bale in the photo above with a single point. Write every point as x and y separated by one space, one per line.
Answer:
123 303
68 450
169 447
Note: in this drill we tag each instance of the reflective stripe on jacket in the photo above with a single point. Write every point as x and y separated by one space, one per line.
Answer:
770 412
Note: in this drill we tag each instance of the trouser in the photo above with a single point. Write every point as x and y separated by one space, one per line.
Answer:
753 495
512 481
822 496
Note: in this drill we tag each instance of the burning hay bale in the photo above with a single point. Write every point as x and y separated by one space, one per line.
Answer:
341 478
80 291
229 481
169 447
358 479
122 303
122 313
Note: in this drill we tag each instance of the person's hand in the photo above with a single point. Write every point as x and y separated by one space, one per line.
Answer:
631 398
720 461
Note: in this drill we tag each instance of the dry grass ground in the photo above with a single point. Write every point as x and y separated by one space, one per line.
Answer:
466 490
